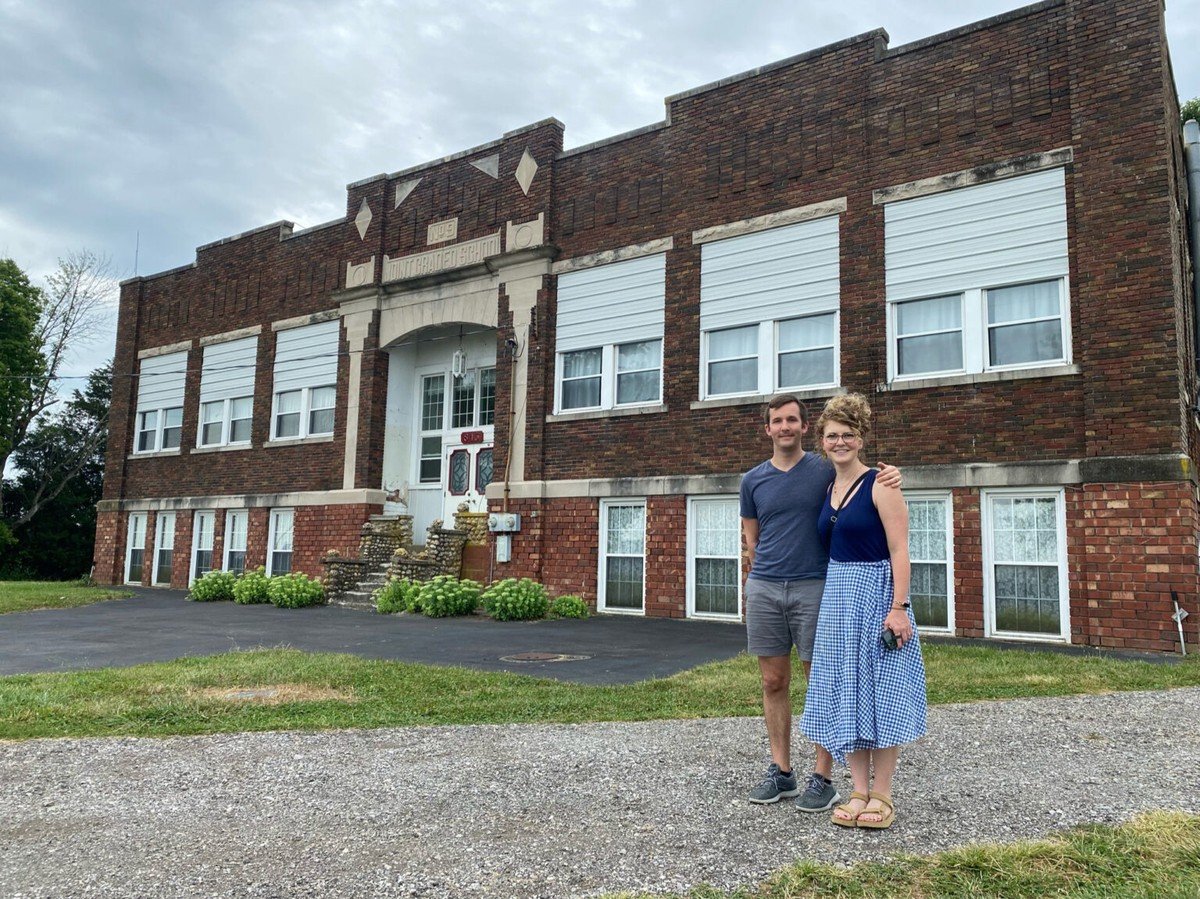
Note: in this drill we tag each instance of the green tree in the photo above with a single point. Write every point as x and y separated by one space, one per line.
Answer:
1190 110
52 499
38 329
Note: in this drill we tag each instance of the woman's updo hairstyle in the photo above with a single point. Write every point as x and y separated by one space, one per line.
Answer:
850 409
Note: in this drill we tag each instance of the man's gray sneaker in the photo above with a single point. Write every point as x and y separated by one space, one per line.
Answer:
775 786
819 795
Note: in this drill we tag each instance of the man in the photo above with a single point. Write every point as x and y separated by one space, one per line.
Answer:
780 502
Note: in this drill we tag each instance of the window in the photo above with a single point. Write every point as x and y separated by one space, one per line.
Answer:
306 362
714 557
1025 577
202 544
581 379
471 404
227 392
279 559
235 541
610 335
135 548
160 402
164 548
433 410
487 396
588 382
930 548
977 278
769 310
622 555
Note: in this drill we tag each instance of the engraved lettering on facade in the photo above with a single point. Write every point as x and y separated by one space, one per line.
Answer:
440 232
459 255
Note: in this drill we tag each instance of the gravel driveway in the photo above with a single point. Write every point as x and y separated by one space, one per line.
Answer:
551 811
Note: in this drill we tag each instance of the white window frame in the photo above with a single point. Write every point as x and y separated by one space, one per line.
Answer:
199 516
946 497
226 421
606 505
131 528
692 503
160 426
305 411
228 547
272 532
987 498
975 329
608 378
160 532
768 353
448 435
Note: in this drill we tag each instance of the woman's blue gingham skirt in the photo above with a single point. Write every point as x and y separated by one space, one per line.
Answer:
862 695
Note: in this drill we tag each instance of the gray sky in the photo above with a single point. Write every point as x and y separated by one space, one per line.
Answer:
187 122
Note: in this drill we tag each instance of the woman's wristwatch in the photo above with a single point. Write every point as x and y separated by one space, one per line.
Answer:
903 605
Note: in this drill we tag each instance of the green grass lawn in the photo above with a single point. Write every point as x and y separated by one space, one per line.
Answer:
22 596
317 691
1155 856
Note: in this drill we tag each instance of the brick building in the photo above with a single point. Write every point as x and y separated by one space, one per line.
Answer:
984 231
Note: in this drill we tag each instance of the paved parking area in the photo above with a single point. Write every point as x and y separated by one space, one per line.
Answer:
159 625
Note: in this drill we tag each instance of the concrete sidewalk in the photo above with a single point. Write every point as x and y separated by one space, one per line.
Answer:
159 625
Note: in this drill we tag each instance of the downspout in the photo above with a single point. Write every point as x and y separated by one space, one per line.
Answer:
1191 147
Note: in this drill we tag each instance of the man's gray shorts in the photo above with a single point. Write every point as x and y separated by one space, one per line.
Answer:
780 614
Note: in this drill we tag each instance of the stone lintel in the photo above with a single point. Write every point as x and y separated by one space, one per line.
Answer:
993 171
771 220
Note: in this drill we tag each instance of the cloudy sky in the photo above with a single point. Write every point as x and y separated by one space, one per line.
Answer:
153 127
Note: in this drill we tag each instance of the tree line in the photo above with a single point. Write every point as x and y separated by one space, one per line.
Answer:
51 445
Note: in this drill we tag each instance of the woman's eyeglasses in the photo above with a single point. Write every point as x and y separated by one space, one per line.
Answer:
832 439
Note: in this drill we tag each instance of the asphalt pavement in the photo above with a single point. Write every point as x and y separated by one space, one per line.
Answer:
157 625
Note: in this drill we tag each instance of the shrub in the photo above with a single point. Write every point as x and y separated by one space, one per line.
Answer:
295 591
516 600
251 587
446 595
215 586
397 595
568 607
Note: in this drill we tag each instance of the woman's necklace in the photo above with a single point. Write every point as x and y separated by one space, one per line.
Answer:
840 488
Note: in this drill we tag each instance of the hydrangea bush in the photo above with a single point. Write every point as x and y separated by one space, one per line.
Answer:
251 587
516 600
295 591
214 586
568 606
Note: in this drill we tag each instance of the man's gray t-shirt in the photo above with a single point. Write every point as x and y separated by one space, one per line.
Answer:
786 505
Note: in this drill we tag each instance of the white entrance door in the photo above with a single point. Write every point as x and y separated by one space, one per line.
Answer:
468 469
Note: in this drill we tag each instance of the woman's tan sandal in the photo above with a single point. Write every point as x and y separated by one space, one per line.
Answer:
851 819
886 812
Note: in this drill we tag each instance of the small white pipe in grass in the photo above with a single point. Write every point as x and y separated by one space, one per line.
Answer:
1180 614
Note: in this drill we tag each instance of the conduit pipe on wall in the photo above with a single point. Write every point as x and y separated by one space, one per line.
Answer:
1191 147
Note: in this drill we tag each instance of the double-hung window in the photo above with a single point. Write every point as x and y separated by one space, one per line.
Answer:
164 548
610 335
977 278
202 544
160 403
769 310
236 526
622 556
714 557
227 392
931 550
306 362
279 541
135 548
1025 564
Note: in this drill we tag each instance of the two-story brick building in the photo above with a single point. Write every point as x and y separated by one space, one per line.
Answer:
984 231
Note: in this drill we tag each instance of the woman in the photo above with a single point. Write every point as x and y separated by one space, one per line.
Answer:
864 699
